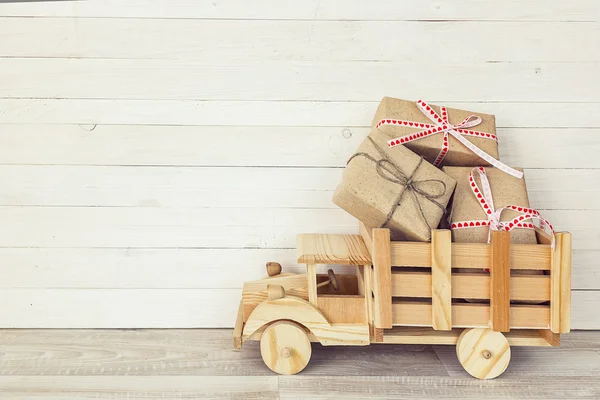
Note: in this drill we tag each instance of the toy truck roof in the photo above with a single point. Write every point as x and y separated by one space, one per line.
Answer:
312 248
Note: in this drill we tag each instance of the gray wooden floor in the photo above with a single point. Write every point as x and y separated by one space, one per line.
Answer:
200 364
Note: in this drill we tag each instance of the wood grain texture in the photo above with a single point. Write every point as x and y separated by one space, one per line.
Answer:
139 387
255 292
131 268
285 348
471 255
441 280
189 353
208 352
469 315
483 353
364 289
149 227
470 286
275 292
513 10
419 335
311 275
500 309
95 308
290 80
462 387
292 308
271 113
288 281
321 146
565 284
552 338
331 249
560 286
127 353
238 327
555 285
382 279
367 236
343 309
297 40
302 312
410 254
231 186
198 364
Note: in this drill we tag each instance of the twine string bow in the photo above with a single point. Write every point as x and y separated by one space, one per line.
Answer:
431 189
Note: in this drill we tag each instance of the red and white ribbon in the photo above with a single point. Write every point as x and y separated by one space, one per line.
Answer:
525 219
441 124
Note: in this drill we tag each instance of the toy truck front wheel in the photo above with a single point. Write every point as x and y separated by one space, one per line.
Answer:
285 347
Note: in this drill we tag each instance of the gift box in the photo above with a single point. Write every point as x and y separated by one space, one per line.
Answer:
443 136
487 198
480 195
394 188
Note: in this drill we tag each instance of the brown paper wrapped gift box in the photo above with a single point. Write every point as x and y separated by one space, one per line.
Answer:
430 146
395 188
506 191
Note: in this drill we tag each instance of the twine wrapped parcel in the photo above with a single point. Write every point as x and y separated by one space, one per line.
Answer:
408 183
378 187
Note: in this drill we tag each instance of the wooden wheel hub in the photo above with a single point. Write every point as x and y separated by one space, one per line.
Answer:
285 353
483 353
285 348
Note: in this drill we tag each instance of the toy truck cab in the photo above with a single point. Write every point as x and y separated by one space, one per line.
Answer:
327 308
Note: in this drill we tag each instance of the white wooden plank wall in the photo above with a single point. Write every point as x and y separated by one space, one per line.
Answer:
154 154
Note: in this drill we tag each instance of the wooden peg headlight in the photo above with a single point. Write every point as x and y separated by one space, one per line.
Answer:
273 268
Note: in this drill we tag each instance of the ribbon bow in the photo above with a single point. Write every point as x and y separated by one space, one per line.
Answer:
391 173
442 124
484 195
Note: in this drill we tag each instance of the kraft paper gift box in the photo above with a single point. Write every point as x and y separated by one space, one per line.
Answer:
419 127
469 207
394 188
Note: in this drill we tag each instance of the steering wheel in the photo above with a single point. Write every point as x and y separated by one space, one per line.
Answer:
333 280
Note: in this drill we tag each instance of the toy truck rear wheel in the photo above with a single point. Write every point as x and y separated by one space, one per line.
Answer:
483 352
285 347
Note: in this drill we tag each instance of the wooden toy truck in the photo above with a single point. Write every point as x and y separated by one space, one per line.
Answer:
408 292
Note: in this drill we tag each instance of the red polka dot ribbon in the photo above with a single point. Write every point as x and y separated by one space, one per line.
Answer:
441 124
525 219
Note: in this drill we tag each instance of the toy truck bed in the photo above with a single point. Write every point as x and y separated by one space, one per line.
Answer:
414 284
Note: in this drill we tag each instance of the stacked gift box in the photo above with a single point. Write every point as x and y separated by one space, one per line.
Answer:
423 167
